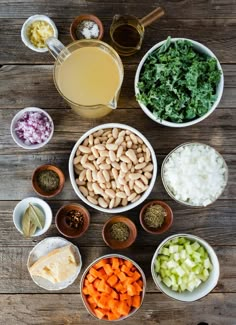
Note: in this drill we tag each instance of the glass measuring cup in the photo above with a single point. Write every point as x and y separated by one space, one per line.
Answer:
127 31
88 74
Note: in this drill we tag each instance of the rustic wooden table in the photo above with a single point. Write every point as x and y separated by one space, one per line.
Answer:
26 80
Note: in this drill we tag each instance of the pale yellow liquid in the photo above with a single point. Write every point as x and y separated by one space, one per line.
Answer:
89 76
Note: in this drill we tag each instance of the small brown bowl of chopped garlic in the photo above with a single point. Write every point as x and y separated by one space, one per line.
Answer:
86 26
36 30
156 217
119 232
72 220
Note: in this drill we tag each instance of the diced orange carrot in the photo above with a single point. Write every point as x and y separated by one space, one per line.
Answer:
136 276
94 272
128 263
103 301
91 290
90 278
99 312
101 263
119 288
86 281
96 283
112 304
122 276
140 283
123 308
137 287
121 261
124 296
128 281
112 280
107 288
114 294
115 263
91 300
108 269
101 285
85 290
129 301
126 270
136 301
131 290
112 316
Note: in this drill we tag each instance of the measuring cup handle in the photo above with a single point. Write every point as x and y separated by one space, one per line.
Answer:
152 16
55 46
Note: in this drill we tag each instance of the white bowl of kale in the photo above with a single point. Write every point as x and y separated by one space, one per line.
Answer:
179 82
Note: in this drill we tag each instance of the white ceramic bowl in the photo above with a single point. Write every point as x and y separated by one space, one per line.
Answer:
204 288
168 188
219 91
28 22
86 304
43 248
118 209
23 205
17 140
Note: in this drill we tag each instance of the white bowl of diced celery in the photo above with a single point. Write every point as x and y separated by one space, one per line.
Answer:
185 267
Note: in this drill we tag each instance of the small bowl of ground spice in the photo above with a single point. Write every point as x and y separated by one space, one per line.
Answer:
86 26
156 217
48 180
119 232
72 220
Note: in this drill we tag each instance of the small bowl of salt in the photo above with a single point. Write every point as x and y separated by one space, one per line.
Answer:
86 26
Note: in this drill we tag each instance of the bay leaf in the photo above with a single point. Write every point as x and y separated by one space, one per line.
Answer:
32 229
26 223
36 216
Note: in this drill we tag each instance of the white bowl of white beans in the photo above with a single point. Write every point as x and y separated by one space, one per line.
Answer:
113 168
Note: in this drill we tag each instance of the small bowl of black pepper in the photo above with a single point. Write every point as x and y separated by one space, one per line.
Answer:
86 26
48 180
72 220
156 217
119 232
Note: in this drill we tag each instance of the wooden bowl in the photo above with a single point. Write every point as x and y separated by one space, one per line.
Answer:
167 222
62 224
79 19
39 190
116 244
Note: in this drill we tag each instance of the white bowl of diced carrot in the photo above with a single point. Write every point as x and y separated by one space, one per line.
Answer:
113 287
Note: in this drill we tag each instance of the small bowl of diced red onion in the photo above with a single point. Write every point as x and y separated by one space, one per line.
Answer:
185 267
194 174
32 128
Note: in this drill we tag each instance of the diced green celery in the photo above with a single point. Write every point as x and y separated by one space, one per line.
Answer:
206 273
196 256
189 263
207 263
173 280
173 249
188 248
163 274
175 240
183 286
167 281
196 269
197 282
181 240
201 251
157 265
183 254
163 258
191 286
165 251
195 246
180 271
176 256
174 288
171 264
163 265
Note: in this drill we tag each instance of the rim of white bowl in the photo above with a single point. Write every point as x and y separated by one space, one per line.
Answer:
179 296
109 256
45 207
128 206
169 192
219 90
28 22
18 116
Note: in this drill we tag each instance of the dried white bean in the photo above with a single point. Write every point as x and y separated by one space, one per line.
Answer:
121 195
119 140
85 143
110 193
102 202
104 153
148 175
111 146
106 175
100 160
108 160
140 166
110 140
148 168
82 175
105 166
132 196
94 176
117 201
83 190
123 167
124 202
141 159
111 204
112 155
89 175
127 190
131 184
119 151
78 182
97 189
131 155
134 176
92 200
115 165
77 160
133 138
144 179
84 159
90 140
147 155
137 189
139 184
84 149
113 185
136 198
99 147
125 159
90 187
103 186
115 133
95 152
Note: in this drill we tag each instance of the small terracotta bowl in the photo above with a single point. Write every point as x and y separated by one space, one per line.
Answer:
39 190
63 220
79 19
116 244
167 222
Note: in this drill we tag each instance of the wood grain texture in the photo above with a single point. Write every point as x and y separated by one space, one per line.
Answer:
62 309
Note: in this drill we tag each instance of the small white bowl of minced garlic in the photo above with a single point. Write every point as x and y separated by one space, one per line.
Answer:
36 30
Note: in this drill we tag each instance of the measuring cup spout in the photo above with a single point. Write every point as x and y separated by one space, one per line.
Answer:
56 47
113 103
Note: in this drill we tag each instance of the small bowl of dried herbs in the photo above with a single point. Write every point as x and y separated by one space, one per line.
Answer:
156 217
119 232
32 217
72 220
48 180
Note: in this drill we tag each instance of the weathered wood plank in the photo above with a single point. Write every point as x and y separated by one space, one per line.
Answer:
216 223
19 281
62 309
36 88
224 47
174 8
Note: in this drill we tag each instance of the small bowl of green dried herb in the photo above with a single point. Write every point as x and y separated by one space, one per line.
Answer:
156 217
119 232
72 220
32 217
48 180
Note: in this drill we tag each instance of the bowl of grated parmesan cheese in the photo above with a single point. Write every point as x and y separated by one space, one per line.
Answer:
194 174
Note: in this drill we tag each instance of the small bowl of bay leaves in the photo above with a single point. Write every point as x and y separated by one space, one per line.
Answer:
32 217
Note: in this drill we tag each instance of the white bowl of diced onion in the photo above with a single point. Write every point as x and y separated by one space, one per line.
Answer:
185 267
194 174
